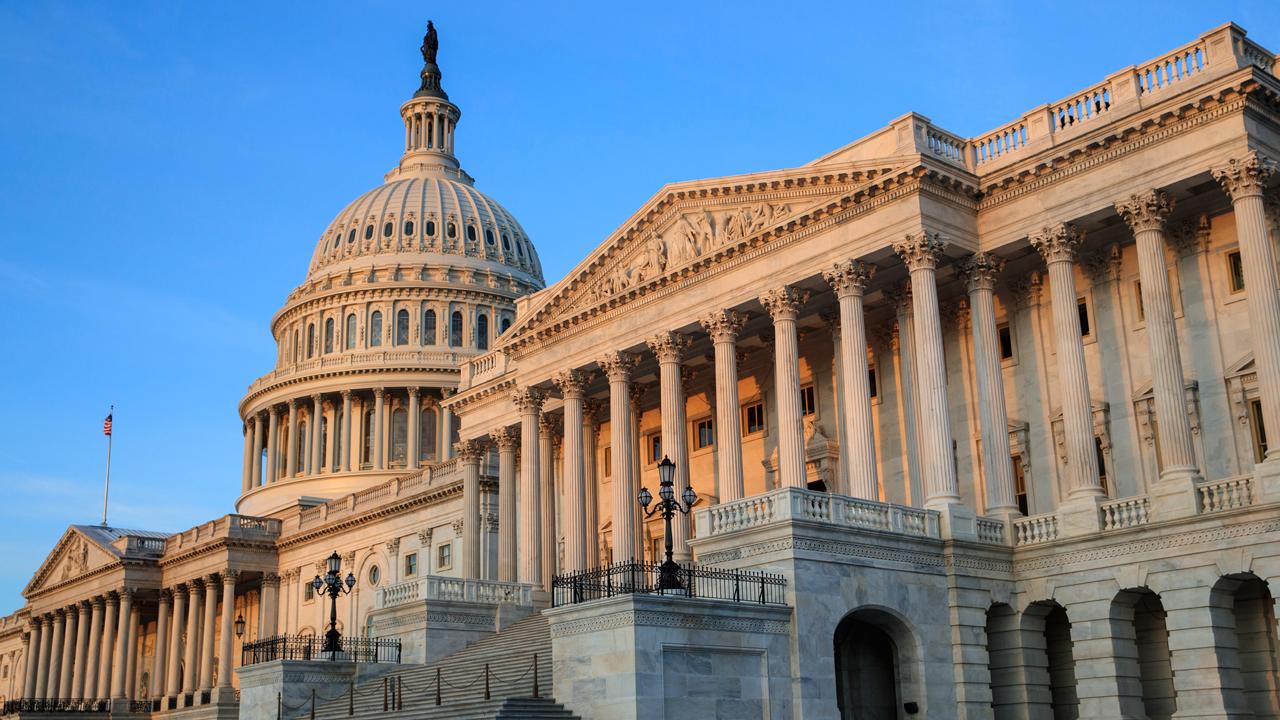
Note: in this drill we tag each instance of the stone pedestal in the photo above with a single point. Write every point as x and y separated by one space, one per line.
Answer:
1080 516
649 657
430 630
265 686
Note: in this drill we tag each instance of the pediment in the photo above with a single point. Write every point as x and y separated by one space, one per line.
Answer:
75 555
1243 366
690 226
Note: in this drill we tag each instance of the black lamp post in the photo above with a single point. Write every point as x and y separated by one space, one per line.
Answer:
332 585
668 505
239 624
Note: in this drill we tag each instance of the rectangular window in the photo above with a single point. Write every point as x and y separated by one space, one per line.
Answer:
1020 485
411 564
1005 334
308 592
444 556
1137 300
872 382
703 434
1102 464
753 418
1083 308
1259 431
608 462
655 448
1235 272
808 400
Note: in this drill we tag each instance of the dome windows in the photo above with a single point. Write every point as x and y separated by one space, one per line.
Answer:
471 233
482 332
429 327
455 329
451 230
431 228
351 236
389 228
368 232
311 340
408 227
337 240
506 325
402 327
350 340
488 237
506 243
375 329
328 335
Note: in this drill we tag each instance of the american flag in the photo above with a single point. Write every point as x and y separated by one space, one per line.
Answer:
106 425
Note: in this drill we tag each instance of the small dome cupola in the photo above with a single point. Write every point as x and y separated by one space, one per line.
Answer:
429 117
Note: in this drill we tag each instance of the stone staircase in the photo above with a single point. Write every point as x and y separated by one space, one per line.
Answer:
509 655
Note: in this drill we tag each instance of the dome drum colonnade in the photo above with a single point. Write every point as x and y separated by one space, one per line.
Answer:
1174 492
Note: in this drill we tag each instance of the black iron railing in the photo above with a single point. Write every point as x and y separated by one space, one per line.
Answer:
308 647
55 705
627 578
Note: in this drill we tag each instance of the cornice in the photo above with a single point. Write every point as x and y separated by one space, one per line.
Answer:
474 396
391 290
216 546
430 496
256 394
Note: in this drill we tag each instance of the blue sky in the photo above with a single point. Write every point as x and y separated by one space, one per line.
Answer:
166 168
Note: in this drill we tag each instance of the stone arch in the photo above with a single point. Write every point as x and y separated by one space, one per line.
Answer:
362 601
1004 661
1247 642
877 665
1143 660
1049 661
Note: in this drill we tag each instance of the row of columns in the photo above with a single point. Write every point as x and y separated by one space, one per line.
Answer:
344 442
428 131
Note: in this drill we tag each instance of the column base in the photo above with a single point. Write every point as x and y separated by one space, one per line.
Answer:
1081 516
1174 494
957 521
224 695
1266 480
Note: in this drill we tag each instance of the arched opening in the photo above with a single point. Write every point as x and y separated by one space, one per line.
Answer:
1257 652
1003 661
455 329
399 437
300 452
366 445
338 440
427 435
1048 631
375 329
324 442
311 340
328 335
506 324
482 332
350 339
402 327
875 656
1140 633
429 327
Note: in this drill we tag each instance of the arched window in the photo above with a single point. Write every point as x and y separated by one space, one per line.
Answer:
506 324
488 237
368 232
366 445
408 227
296 347
451 230
431 228
328 335
351 236
506 243
482 332
399 437
455 329
429 327
337 240
402 327
311 339
427 435
471 233
324 443
338 440
351 332
300 454
375 329
388 229
519 249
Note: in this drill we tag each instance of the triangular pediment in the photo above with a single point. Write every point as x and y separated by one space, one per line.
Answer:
1241 367
75 555
688 226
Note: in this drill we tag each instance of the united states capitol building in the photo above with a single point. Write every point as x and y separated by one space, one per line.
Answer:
977 428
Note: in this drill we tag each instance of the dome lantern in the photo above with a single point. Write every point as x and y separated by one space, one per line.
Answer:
429 119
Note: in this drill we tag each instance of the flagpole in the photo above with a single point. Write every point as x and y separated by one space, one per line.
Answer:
106 484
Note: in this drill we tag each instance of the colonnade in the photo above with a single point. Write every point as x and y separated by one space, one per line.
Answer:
356 432
532 558
428 128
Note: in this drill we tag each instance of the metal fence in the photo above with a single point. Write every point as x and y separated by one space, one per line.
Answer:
310 647
627 578
55 705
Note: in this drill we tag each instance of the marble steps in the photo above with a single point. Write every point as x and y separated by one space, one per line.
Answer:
509 655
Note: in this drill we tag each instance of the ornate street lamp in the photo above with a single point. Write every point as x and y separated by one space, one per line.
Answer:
239 625
669 571
333 585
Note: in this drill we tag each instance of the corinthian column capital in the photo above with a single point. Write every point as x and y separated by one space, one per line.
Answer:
980 271
784 303
506 439
617 365
921 250
572 383
723 325
849 278
1246 175
1057 243
669 347
527 399
1145 211
470 450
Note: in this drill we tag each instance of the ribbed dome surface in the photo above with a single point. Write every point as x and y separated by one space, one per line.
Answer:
425 214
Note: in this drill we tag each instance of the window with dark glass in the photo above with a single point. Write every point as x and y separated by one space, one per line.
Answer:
1235 272
300 452
1137 301
402 327
753 418
337 240
482 332
488 237
375 329
399 436
427 435
451 230
328 335
408 227
297 349
1102 464
455 329
471 233
872 381
366 445
431 228
506 243
1005 334
1082 308
655 448
1020 485
506 324
411 564
324 440
351 236
444 557
808 400
429 327
368 232
387 229
703 434
350 340
311 340
1259 431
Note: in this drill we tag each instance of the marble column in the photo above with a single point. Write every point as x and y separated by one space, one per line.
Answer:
858 445
89 689
207 630
41 690
273 424
528 403
51 689
120 665
446 425
317 420
291 451
131 654
1145 214
1244 179
67 670
246 472
548 428
980 272
507 440
255 472
920 253
106 651
173 673
902 342
471 452
190 654
669 348
415 416
30 679
162 645
269 610
1059 244
378 405
590 429
227 632
617 367
572 385
333 440
347 441
723 327
81 652
783 305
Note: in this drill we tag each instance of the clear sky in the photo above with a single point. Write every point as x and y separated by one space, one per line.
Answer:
166 169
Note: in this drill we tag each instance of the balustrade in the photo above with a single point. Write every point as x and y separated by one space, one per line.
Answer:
1172 68
810 506
1126 513
439 587
991 530
1035 529
1229 494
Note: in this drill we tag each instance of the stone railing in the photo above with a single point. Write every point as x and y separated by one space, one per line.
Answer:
436 474
1126 513
811 506
1173 68
234 526
368 358
991 530
1229 494
1081 107
1035 529
439 587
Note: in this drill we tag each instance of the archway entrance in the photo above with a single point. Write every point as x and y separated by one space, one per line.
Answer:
870 672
